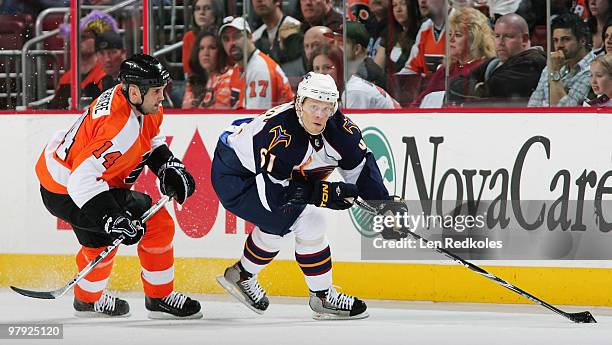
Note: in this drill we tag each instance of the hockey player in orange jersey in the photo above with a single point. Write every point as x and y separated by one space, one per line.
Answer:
86 173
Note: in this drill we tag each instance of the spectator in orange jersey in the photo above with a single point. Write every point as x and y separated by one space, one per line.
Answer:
428 50
208 85
86 173
261 83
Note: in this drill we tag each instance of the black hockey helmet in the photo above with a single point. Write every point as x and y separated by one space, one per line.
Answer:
143 71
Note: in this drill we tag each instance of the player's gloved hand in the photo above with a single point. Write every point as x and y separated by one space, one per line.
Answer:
119 225
392 207
175 180
334 195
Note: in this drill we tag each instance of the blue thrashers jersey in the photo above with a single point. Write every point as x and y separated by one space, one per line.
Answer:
278 151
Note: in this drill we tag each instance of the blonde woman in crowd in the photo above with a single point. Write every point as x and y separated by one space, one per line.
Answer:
471 42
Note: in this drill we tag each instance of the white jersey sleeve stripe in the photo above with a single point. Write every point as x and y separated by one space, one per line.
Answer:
85 182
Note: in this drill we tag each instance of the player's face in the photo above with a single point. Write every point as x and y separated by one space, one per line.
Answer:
601 80
508 41
564 40
111 60
233 43
315 114
153 99
203 14
208 53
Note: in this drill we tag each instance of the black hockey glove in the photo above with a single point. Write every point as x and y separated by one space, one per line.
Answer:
131 230
175 180
392 207
334 195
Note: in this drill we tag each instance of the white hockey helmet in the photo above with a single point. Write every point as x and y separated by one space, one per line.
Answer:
320 87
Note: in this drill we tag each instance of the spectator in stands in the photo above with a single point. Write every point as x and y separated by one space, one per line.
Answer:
400 38
601 81
599 12
378 25
510 77
606 36
261 84
568 74
92 72
206 15
328 59
428 50
357 93
111 52
470 44
313 38
423 8
358 61
279 36
320 13
208 84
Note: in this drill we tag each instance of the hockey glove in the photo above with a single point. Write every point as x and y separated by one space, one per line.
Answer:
334 195
391 208
175 180
131 230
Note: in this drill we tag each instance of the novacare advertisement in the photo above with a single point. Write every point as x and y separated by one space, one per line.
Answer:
531 171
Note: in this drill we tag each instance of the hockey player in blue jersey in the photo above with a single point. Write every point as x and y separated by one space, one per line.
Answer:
270 170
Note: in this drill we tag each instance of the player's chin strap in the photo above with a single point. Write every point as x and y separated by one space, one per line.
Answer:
127 96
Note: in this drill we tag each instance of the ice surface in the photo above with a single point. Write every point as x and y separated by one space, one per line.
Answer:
288 321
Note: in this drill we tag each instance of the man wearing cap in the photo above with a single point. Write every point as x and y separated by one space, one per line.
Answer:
91 70
358 61
263 84
111 52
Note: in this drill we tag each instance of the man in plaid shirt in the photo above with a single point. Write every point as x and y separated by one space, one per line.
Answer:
565 81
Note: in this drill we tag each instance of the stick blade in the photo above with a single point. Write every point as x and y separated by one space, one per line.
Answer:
34 294
582 317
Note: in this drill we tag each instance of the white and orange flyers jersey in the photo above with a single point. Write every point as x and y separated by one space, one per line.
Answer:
266 84
105 148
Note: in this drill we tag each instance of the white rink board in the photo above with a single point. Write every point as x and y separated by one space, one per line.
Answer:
471 141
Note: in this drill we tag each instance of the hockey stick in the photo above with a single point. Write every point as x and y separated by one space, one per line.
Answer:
580 317
90 266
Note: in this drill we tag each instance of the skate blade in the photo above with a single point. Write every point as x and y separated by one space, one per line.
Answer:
160 315
232 290
96 315
333 317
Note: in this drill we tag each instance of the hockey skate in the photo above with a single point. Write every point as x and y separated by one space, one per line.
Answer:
331 305
105 306
174 306
245 287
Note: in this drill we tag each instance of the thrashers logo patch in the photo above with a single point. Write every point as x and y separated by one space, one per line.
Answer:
280 136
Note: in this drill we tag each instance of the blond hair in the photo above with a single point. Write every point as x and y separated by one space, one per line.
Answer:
605 61
480 36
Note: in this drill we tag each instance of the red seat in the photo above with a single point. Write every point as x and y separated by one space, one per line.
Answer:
13 33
